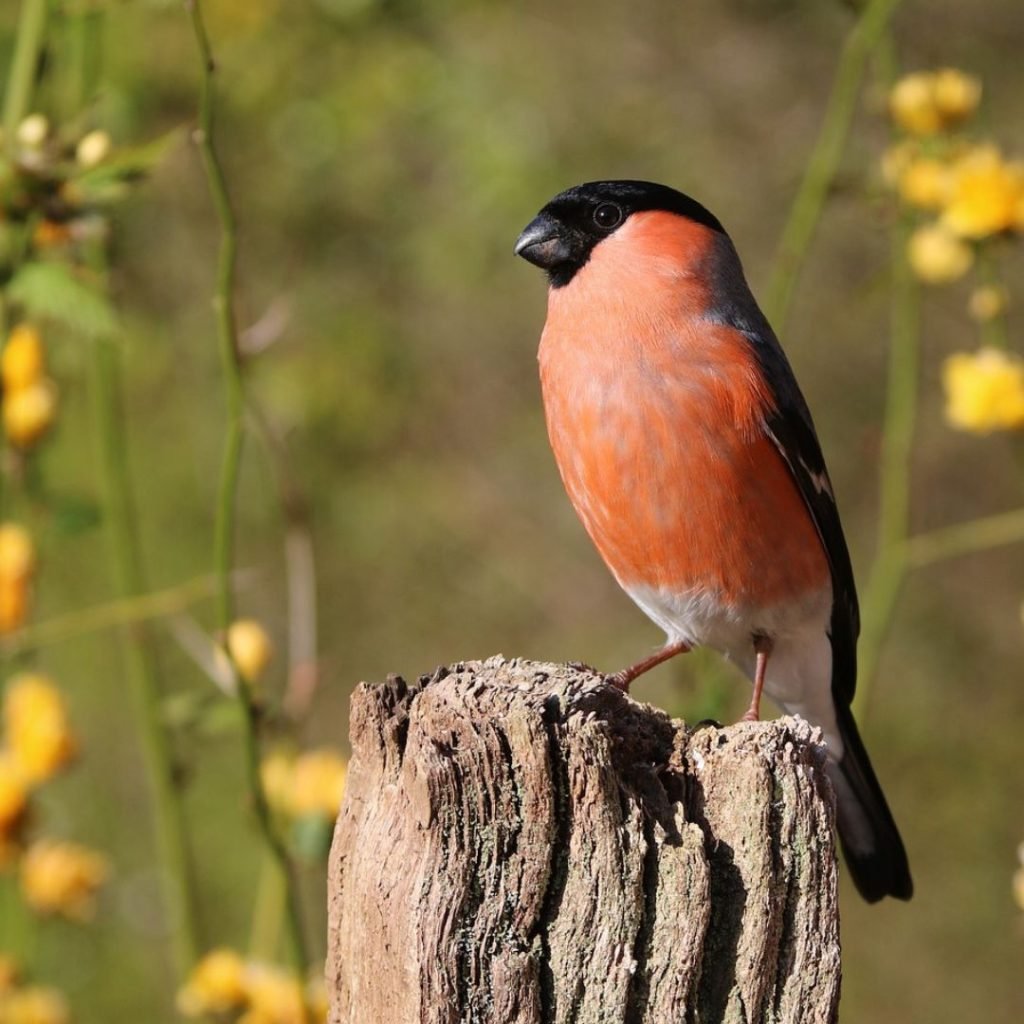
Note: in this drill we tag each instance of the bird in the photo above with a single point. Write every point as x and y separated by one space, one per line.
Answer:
688 451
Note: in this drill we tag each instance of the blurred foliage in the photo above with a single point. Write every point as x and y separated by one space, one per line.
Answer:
383 155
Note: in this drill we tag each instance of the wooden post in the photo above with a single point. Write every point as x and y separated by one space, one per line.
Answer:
521 843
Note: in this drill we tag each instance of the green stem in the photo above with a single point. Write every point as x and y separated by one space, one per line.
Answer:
824 161
224 531
887 574
123 611
21 75
267 913
143 678
965 538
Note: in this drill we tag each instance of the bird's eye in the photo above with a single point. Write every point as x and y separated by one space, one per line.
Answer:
608 216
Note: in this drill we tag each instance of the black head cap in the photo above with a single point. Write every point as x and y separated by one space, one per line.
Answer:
562 236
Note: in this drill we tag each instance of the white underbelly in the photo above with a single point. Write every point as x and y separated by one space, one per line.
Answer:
799 671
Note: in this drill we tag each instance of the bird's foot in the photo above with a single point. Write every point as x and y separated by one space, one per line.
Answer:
626 676
620 680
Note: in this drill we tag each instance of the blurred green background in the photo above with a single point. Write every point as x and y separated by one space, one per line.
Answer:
383 156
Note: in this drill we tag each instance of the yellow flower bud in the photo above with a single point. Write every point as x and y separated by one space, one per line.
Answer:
33 130
985 193
924 183
988 301
35 1005
318 783
93 148
13 794
897 158
912 104
936 256
250 648
23 361
50 233
62 878
984 391
925 103
17 552
36 727
28 413
9 973
957 94
217 985
14 604
275 996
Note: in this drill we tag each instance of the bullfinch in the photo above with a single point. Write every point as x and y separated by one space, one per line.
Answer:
689 453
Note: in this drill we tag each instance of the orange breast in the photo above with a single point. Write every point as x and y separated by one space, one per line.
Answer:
654 414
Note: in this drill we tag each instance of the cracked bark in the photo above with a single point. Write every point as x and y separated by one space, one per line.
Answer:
522 844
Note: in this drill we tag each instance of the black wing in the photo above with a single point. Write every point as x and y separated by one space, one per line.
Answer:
792 430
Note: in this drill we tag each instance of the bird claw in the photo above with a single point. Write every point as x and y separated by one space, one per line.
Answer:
620 680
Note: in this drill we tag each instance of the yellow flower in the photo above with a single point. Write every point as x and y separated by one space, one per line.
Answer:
912 104
985 193
275 996
36 726
250 648
217 985
928 102
936 256
23 360
311 784
984 391
13 793
34 1005
318 783
924 183
988 301
62 878
93 149
28 412
956 94
17 552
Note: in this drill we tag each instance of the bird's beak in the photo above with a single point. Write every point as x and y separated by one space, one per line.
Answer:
543 243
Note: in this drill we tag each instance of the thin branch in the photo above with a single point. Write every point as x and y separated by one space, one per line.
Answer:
28 43
964 539
124 611
890 566
140 660
227 333
824 161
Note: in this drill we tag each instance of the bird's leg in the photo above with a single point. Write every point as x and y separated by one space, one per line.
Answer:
763 647
627 675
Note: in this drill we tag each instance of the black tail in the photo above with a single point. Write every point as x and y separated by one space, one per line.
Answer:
869 837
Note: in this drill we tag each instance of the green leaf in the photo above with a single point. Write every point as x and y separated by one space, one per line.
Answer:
53 291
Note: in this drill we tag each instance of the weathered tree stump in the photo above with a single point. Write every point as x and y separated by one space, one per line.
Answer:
521 843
